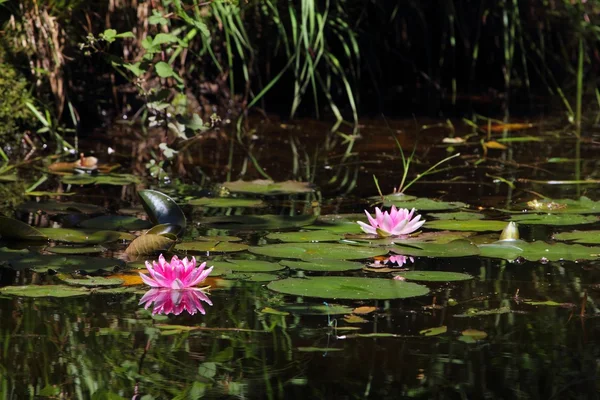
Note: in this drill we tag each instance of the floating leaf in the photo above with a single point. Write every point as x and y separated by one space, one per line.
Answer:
44 291
213 246
426 237
458 215
589 237
315 309
565 206
355 319
75 250
341 287
511 249
554 219
116 222
14 229
268 187
165 229
81 236
55 207
93 281
339 223
149 244
474 225
434 276
252 277
162 209
439 330
318 349
101 179
66 264
364 310
227 202
473 312
247 266
257 222
456 248
424 204
549 303
315 251
323 265
472 335
305 236
218 238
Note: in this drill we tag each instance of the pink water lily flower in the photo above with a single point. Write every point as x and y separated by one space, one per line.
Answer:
400 260
175 301
393 223
178 274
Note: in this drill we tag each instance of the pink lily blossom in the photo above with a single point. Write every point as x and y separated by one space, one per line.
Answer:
393 223
175 301
178 274
400 260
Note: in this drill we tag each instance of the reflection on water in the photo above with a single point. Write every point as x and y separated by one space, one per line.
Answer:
175 301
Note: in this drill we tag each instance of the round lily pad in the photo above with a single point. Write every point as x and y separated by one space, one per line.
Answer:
268 187
305 236
434 276
44 291
554 219
257 222
343 287
314 251
511 249
247 266
588 237
252 277
75 250
116 222
424 204
220 238
456 248
226 202
94 281
83 236
323 265
474 225
60 263
458 215
315 309
212 246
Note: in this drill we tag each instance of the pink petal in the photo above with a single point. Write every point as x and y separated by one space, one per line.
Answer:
367 228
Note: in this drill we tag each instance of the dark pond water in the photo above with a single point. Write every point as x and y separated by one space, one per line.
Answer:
525 327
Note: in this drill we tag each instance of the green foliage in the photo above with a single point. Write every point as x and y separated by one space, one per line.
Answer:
15 117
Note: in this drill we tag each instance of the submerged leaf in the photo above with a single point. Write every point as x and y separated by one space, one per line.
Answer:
338 287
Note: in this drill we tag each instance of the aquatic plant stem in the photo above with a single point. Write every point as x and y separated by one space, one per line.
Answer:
579 89
430 170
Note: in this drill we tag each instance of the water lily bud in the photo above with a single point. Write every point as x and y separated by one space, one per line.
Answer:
511 232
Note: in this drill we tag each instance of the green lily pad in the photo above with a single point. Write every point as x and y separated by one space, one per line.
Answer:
101 179
472 336
315 309
554 219
423 237
212 246
81 236
588 237
227 202
474 225
11 228
66 264
566 206
116 222
75 250
305 236
434 276
219 238
44 291
456 248
439 330
512 249
338 223
65 207
316 251
549 303
458 215
247 266
343 287
257 222
473 312
149 244
323 265
162 209
318 349
424 204
268 187
252 277
94 281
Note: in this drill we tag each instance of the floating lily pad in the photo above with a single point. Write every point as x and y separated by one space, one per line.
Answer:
564 206
554 219
473 312
227 202
101 179
423 237
439 330
66 207
268 187
94 281
305 236
424 204
162 209
549 303
474 225
315 251
247 266
588 237
252 277
212 246
340 287
459 216
44 291
257 222
75 250
219 238
81 236
315 309
434 276
116 222
11 228
512 249
339 223
318 349
472 336
66 264
149 244
323 265
456 248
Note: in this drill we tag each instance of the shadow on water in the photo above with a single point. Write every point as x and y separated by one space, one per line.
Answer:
482 338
